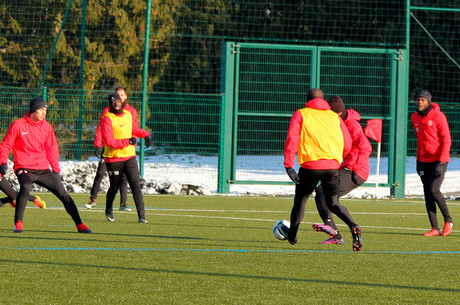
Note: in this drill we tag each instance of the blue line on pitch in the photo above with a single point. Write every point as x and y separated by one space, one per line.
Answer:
228 250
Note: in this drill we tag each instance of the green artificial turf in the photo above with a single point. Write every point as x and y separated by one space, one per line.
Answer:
221 250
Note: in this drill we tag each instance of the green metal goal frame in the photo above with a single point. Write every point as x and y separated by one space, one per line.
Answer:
397 118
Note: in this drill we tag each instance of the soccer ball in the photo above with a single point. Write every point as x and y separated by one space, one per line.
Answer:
281 228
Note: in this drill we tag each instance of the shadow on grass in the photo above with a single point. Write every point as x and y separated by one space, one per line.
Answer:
129 239
24 236
99 238
233 275
393 233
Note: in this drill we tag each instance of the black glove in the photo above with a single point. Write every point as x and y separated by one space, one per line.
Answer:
353 177
98 152
133 141
293 175
148 141
3 168
438 170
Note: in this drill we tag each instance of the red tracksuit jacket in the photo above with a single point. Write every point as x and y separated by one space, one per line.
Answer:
34 145
433 136
98 141
358 158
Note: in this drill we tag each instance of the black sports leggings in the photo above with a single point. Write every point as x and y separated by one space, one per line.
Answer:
100 173
346 185
11 194
432 191
130 169
50 181
308 180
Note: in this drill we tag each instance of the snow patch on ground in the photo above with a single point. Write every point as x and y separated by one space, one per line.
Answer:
197 175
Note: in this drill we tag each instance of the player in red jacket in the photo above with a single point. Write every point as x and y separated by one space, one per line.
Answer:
433 155
35 151
120 133
320 140
101 167
353 171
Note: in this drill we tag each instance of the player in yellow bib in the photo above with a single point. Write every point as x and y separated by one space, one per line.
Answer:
119 134
320 139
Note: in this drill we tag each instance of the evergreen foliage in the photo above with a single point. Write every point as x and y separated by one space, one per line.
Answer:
185 49
186 38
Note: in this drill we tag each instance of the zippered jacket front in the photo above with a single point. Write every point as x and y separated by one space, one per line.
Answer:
433 136
34 145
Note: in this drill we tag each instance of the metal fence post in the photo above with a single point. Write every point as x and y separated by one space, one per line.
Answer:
81 82
144 83
226 126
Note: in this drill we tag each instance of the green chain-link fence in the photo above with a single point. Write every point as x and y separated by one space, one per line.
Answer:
184 58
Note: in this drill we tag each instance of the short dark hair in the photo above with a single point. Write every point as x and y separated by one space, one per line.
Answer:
315 93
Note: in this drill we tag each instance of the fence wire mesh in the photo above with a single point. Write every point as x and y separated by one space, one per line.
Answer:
42 44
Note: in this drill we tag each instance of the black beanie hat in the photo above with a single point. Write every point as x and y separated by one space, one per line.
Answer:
425 94
37 103
337 104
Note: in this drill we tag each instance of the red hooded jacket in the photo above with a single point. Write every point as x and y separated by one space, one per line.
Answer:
433 136
34 145
358 158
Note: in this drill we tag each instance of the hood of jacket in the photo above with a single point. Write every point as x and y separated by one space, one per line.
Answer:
318 103
352 115
32 122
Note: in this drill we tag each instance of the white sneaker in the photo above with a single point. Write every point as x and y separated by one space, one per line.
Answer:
125 208
90 204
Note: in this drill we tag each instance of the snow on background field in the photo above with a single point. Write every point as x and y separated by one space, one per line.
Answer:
197 175
172 172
